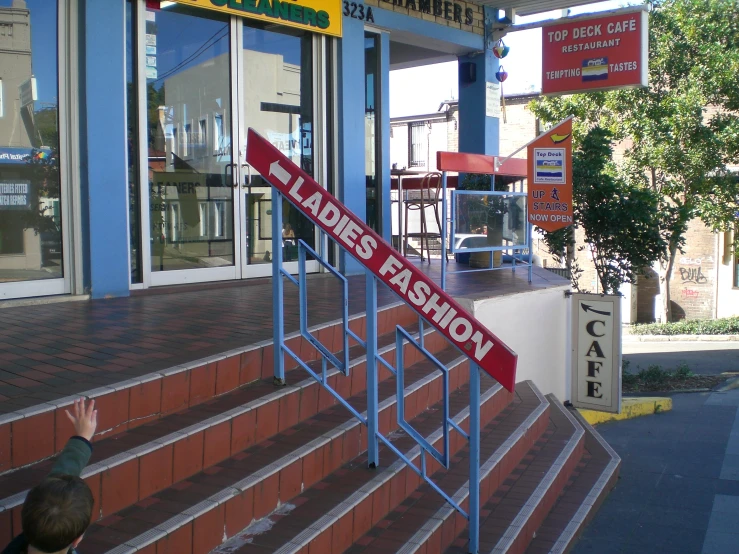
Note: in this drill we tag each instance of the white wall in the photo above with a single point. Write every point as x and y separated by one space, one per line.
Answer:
399 146
727 297
534 324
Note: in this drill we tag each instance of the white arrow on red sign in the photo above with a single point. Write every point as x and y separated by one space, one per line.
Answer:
372 251
281 174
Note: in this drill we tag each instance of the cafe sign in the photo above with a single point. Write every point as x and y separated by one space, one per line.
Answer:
319 16
596 352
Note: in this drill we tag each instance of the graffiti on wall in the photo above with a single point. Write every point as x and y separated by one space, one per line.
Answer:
686 260
692 275
690 293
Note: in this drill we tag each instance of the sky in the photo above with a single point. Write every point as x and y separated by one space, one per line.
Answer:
523 65
43 48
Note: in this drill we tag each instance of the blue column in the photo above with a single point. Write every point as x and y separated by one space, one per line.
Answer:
104 165
478 134
350 150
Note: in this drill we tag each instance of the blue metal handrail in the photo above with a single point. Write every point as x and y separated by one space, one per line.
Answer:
371 420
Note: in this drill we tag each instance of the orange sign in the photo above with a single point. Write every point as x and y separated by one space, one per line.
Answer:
550 178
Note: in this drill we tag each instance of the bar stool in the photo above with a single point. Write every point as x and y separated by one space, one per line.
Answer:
426 196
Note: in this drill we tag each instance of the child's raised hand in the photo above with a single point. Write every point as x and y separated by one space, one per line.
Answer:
85 418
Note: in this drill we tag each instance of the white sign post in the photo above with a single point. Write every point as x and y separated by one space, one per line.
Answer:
596 352
492 99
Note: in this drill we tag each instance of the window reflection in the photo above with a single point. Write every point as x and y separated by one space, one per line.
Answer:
371 128
278 102
187 89
30 210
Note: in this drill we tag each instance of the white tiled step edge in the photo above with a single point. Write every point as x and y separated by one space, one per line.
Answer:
51 405
425 533
180 520
598 489
11 502
537 497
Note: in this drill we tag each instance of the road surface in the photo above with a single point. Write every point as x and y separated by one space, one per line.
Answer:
703 358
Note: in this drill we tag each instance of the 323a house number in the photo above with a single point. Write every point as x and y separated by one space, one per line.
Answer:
359 11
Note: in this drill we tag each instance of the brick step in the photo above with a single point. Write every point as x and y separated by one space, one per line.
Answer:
253 482
522 501
592 480
425 521
40 430
218 428
338 510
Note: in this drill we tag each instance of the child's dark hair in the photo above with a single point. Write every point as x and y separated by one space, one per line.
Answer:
56 512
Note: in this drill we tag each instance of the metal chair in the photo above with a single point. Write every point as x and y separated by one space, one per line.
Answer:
426 196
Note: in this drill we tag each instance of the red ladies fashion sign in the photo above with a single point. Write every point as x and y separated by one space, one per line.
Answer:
420 292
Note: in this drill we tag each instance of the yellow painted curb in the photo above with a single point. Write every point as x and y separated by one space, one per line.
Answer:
630 407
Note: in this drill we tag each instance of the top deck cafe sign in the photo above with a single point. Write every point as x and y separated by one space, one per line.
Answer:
420 292
595 53
550 178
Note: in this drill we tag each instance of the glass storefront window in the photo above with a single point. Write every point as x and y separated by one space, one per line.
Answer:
188 86
205 84
371 127
278 104
132 114
30 194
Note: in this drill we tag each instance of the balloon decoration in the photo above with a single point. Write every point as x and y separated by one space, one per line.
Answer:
500 49
501 74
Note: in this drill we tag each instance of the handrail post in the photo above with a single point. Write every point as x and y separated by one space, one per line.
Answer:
443 230
278 328
474 487
373 455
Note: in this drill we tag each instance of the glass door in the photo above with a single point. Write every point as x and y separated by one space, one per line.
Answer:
191 202
276 98
32 216
209 77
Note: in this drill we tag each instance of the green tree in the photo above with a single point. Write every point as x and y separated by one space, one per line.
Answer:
682 131
616 215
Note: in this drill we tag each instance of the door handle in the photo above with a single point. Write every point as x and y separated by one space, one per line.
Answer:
234 184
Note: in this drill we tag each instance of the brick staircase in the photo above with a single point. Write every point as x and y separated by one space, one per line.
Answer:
212 457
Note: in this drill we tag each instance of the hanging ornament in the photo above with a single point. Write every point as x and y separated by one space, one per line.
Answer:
501 74
500 49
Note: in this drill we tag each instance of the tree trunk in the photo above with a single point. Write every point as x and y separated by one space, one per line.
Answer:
665 274
569 262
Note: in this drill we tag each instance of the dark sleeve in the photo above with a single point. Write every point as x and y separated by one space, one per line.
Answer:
17 546
73 458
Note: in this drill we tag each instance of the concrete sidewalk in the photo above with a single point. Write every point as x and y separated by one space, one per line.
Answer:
679 486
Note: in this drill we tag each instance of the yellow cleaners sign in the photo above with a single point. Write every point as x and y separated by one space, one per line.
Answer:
319 16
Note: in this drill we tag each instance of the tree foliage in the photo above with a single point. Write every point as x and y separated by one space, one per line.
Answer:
616 215
682 131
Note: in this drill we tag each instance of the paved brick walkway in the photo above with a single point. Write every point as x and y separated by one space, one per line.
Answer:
54 350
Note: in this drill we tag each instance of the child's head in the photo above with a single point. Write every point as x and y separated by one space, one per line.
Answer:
56 513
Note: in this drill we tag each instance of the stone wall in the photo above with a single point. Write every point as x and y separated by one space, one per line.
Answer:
425 9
